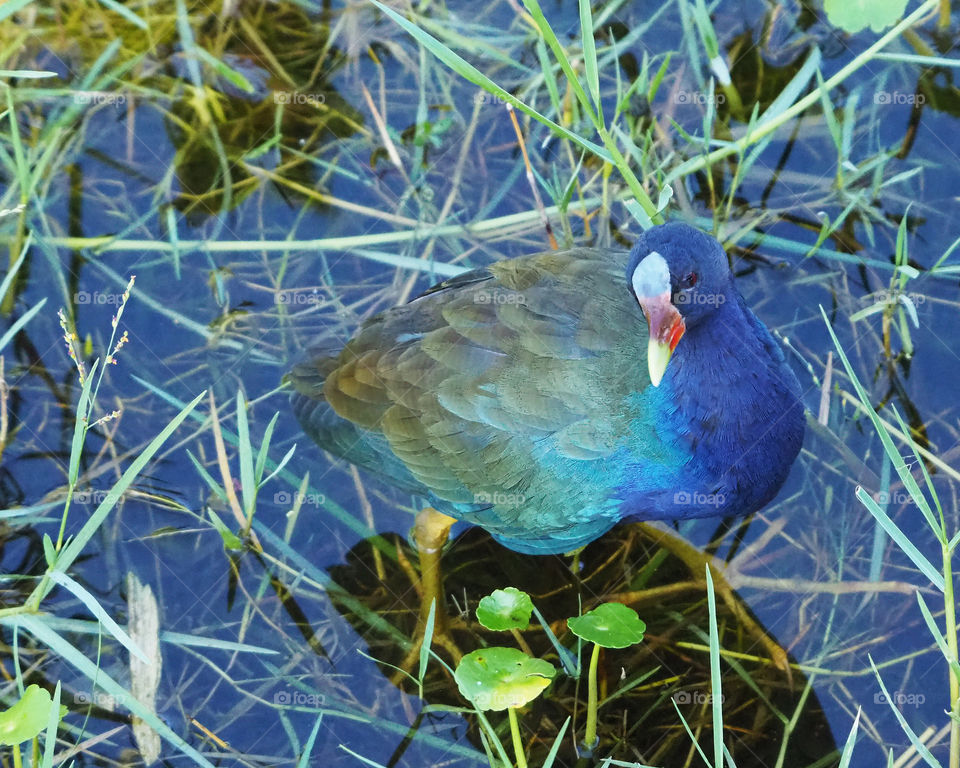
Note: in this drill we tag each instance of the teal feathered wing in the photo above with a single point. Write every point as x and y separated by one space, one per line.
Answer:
500 396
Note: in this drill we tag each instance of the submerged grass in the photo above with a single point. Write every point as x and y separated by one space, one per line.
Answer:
261 114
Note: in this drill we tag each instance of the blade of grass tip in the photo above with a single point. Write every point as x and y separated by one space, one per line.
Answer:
879 535
101 615
917 743
555 747
283 462
693 738
941 641
264 448
485 724
361 758
923 468
15 267
563 59
248 488
207 477
21 321
716 692
847 754
174 236
304 761
99 677
589 46
898 463
425 645
75 547
909 549
129 15
50 737
567 659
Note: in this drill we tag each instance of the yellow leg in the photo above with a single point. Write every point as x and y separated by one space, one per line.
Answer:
430 532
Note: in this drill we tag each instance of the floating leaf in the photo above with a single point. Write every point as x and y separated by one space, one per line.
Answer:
853 15
500 678
503 609
27 718
611 625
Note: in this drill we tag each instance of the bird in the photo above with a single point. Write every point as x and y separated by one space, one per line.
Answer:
550 396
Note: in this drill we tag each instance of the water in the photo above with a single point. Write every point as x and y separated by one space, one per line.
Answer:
210 321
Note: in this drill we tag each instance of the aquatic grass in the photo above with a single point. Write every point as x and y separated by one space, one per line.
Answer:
941 578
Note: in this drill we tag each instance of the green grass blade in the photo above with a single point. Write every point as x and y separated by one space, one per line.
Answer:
563 59
283 462
917 743
893 530
847 755
715 683
21 321
898 463
941 640
79 661
472 74
80 426
589 44
264 448
555 747
248 487
97 610
75 547
50 738
208 478
129 15
425 645
304 761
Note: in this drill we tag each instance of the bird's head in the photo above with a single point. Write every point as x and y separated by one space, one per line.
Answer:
679 276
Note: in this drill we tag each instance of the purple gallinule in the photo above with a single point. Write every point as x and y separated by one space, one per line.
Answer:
548 397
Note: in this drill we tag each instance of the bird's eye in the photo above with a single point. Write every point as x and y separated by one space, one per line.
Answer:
689 280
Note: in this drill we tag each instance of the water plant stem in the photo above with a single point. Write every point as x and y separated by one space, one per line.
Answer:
950 616
515 736
590 737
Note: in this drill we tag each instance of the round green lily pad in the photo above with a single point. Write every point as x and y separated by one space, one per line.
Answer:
508 608
27 718
611 625
500 678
